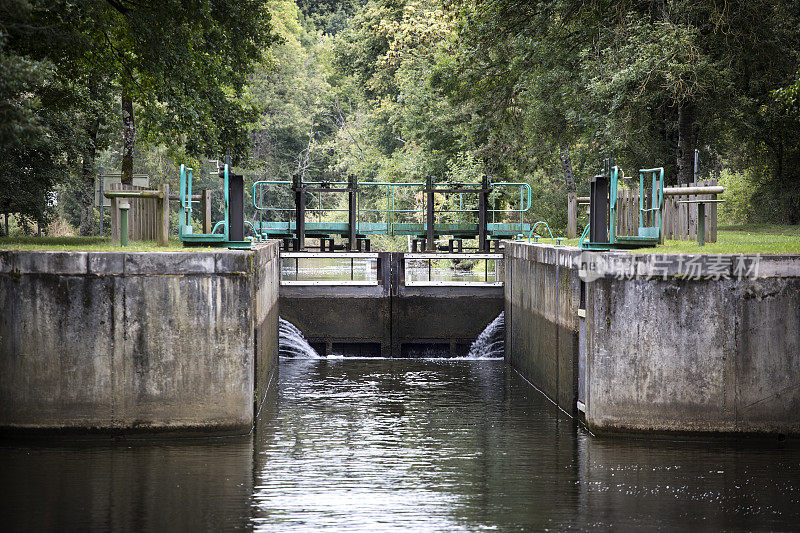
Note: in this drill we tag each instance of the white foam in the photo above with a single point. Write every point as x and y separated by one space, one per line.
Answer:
491 343
291 342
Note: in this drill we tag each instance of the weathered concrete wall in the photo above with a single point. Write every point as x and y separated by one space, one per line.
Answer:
144 341
448 318
267 279
332 317
721 355
542 293
712 351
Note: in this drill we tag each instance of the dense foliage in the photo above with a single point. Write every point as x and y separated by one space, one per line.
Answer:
398 90
180 66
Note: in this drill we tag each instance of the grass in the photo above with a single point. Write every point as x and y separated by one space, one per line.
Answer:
88 244
744 239
767 239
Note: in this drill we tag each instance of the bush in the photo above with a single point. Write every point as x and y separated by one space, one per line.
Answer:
738 205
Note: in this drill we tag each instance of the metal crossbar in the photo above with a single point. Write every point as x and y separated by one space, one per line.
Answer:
394 215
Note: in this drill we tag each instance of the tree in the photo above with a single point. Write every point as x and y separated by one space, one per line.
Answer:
652 80
37 134
181 66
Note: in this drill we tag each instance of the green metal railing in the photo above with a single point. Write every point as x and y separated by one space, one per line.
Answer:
540 223
394 210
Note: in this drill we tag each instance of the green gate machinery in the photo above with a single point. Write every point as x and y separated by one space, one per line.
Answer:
232 226
601 233
389 208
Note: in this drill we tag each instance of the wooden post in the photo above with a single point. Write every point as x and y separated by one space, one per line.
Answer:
692 213
205 210
712 216
701 224
163 218
572 216
114 214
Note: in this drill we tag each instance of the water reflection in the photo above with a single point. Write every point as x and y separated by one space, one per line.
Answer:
186 485
367 445
468 445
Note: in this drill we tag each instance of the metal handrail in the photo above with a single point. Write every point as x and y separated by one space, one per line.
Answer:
429 257
583 236
390 197
224 225
185 199
534 228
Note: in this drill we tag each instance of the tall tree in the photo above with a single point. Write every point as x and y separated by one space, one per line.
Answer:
39 131
185 65
181 66
653 80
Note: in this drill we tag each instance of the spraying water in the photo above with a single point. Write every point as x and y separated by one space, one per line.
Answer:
491 342
291 342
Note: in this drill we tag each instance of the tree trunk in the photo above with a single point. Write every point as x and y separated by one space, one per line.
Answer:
687 140
663 11
128 138
566 165
87 179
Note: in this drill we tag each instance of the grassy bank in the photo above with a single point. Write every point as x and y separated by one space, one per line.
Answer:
743 239
86 244
757 239
747 239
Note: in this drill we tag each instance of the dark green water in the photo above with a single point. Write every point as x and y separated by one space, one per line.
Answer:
406 445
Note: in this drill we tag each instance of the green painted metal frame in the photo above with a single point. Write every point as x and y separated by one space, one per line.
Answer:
647 235
319 229
185 233
390 225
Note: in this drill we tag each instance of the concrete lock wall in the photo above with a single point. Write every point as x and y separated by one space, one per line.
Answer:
146 341
390 319
661 349
542 293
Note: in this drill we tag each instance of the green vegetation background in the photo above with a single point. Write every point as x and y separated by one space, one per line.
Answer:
397 90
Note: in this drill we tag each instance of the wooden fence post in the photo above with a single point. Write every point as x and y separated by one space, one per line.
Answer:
572 216
114 213
712 215
163 218
205 208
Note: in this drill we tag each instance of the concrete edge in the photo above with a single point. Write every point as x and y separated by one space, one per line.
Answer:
619 264
116 263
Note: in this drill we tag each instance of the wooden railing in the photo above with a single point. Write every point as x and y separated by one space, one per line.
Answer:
679 220
148 216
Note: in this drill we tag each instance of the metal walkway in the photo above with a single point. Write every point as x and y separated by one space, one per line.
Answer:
484 211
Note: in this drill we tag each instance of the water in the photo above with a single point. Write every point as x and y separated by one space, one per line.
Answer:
329 269
473 270
492 340
406 445
292 343
366 269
